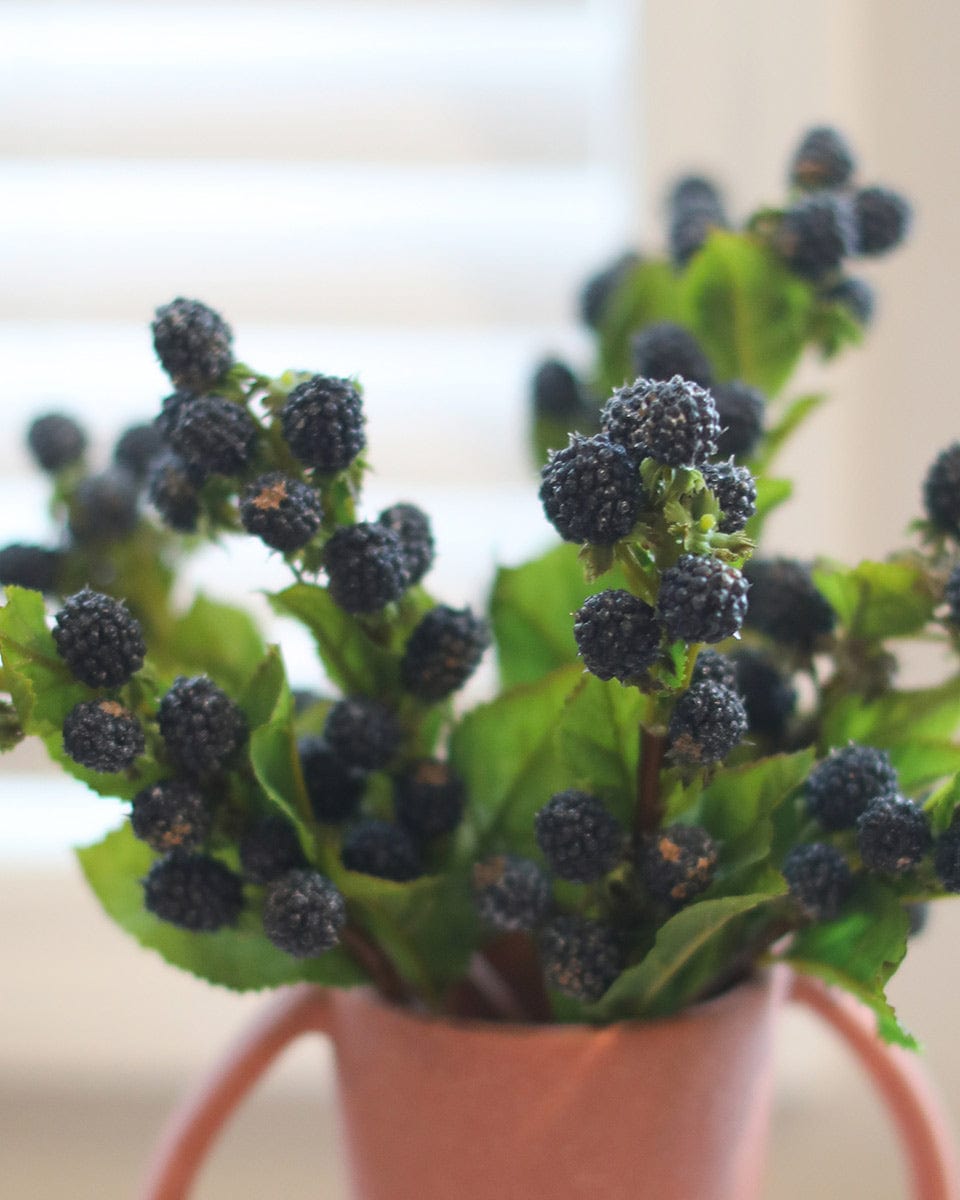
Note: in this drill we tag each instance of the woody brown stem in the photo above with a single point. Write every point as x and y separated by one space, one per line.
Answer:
368 955
649 809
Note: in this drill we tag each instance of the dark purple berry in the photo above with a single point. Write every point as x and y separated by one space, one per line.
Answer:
695 209
322 423
785 604
364 565
822 160
98 639
665 349
856 296
512 894
304 913
617 634
882 218
442 652
269 848
104 507
334 789
678 424
707 722
381 849
591 491
581 958
201 726
735 491
283 512
193 891
678 863
816 235
56 441
840 787
171 814
137 447
946 858
714 667
740 411
819 880
34 567
214 436
702 599
579 838
193 343
362 733
941 491
768 695
412 529
102 735
428 799
173 493
599 289
893 835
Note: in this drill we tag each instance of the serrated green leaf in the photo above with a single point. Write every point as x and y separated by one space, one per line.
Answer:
215 639
877 600
648 294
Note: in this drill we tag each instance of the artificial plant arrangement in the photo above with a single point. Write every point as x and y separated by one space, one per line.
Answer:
645 811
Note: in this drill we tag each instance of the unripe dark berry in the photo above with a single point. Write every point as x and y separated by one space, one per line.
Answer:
882 218
102 735
579 838
304 913
193 891
769 697
822 160
591 491
334 789
740 410
412 529
556 392
214 436
816 235
581 958
702 599
785 604
679 425
137 447
27 566
428 799
201 726
617 635
840 787
946 857
269 848
735 491
283 512
322 422
173 493
819 880
364 565
98 639
893 835
856 296
599 289
665 349
678 863
951 593
362 732
512 894
707 722
442 652
104 507
714 667
56 441
172 814
941 491
382 849
695 209
193 343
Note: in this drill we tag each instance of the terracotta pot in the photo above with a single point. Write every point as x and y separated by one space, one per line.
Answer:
674 1109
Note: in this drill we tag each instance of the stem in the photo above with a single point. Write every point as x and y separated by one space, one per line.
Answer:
649 810
364 951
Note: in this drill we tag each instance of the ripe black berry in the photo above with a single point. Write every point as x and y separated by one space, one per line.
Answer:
893 834
171 814
381 849
678 863
202 727
412 529
840 788
281 511
941 491
99 640
556 392
322 423
104 507
102 735
617 634
137 447
442 652
170 409
735 491
702 599
581 958
270 848
303 913
591 491
599 289
26 566
855 295
579 838
511 894
768 696
695 209
665 349
213 436
740 411
621 418
946 858
819 880
334 788
193 891
785 603
707 722
173 493
362 733
816 235
428 799
679 425
881 217
951 592
822 160
714 667
56 441
364 565
193 343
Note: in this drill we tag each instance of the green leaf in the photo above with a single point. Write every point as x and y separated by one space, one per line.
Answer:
928 713
941 806
878 600
216 639
832 327
920 762
648 294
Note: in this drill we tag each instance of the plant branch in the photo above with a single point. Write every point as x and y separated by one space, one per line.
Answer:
368 955
649 808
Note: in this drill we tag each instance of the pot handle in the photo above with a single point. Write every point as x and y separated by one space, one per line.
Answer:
902 1085
195 1125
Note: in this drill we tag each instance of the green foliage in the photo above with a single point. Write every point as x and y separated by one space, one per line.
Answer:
795 416
878 600
894 718
648 294
215 639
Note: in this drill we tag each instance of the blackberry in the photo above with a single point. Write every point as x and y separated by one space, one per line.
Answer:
193 343
511 894
381 849
365 569
855 295
707 722
579 838
581 958
702 599
740 411
104 507
442 652
951 594
171 815
362 733
412 528
946 857
665 349
26 566
102 735
785 603
270 848
819 880
822 160
193 891
621 418
735 491
201 726
839 788
214 436
303 913
556 392
769 697
428 799
893 834
137 447
322 421
941 491
713 667
98 639
283 512
591 491
599 289
694 191
816 235
882 218
56 441
334 789
617 634
679 426
170 409
695 209
678 863
173 493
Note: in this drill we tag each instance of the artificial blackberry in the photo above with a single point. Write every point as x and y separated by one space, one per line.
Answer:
816 235
946 857
362 733
819 880
365 568
428 799
707 722
785 603
381 849
665 349
137 447
98 639
171 814
695 208
617 634
678 863
839 788
303 913
104 507
412 528
283 512
579 838
193 891
270 848
214 436
591 491
881 217
442 652
556 392
951 593
201 726
511 894
170 409
740 411
735 491
679 425
855 295
193 343
702 599
173 493
941 491
822 160
597 292
334 789
621 418
581 958
102 735
322 422
769 697
714 667
893 834
56 441
26 566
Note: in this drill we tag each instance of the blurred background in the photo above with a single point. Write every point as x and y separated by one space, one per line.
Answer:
414 193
